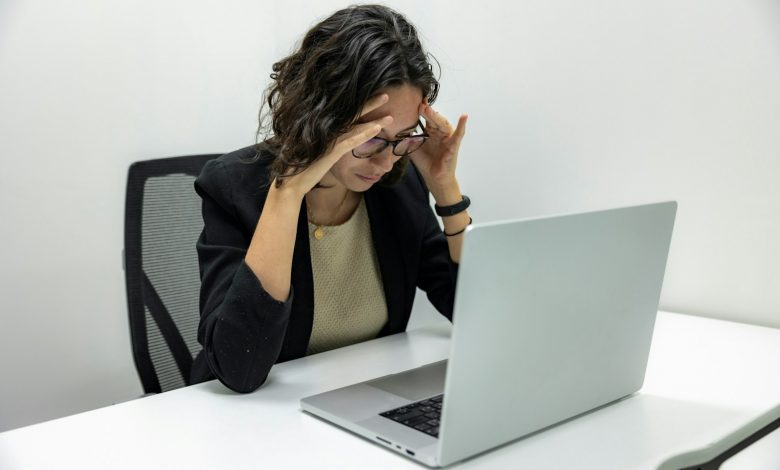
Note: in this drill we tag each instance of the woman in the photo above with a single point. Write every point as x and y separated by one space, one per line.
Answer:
319 236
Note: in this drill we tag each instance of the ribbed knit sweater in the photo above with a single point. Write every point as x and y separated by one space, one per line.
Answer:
349 300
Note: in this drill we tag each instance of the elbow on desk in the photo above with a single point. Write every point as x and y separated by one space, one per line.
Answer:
238 352
244 376
242 386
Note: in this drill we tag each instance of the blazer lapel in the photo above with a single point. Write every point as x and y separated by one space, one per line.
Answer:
390 257
302 315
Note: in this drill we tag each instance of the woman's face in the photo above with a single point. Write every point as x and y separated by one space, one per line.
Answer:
359 174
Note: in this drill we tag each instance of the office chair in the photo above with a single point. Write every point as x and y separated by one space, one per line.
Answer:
162 223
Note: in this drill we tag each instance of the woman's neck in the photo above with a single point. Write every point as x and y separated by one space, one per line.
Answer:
331 205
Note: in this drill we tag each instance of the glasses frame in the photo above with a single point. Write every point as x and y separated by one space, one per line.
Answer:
394 143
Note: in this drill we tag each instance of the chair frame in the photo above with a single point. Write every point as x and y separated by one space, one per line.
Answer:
140 292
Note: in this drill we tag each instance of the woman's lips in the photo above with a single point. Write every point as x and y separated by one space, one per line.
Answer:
369 179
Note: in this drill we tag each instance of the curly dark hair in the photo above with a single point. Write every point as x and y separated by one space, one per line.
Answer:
317 92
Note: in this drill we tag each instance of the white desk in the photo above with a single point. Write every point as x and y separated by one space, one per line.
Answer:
706 379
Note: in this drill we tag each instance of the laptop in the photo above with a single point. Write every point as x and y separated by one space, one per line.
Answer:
553 318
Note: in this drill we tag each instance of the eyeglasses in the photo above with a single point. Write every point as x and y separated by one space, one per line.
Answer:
401 147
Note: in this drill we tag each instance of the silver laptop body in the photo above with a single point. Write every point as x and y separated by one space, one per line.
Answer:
553 317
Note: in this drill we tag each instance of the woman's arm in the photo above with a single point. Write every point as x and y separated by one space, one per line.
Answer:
270 252
436 162
242 326
437 271
453 224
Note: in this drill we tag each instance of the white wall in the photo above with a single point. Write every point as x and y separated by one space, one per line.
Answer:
579 105
573 106
86 88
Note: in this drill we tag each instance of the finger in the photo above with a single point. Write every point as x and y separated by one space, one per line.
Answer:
373 103
361 133
460 130
439 122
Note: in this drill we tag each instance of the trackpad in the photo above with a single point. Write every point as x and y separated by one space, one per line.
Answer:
415 384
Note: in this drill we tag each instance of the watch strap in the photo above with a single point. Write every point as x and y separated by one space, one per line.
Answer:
456 208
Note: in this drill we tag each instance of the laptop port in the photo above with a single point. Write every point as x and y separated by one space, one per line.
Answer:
385 441
410 452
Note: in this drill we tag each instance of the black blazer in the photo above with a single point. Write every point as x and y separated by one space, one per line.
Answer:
243 330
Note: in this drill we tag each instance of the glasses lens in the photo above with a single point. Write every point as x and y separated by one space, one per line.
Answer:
409 145
369 148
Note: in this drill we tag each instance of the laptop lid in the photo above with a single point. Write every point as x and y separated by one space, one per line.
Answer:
553 317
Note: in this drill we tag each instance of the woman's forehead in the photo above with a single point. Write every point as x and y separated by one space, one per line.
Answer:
403 106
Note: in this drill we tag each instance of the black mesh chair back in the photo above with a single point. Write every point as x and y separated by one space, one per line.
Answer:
162 223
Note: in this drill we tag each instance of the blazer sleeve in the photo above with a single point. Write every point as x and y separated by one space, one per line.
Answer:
242 327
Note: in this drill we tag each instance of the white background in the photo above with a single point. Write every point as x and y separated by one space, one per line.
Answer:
573 106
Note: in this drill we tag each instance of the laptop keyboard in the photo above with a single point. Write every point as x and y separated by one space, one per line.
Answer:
423 415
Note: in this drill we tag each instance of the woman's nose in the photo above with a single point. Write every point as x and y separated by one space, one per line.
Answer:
384 160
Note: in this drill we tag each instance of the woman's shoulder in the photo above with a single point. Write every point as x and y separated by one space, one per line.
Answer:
252 162
241 170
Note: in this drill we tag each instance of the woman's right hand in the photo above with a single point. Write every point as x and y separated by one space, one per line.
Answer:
307 179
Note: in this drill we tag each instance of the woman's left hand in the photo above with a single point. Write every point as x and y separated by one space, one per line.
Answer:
437 158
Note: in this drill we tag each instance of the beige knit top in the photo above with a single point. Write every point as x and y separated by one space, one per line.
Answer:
349 300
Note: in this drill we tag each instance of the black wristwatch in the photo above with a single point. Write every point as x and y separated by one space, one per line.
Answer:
457 208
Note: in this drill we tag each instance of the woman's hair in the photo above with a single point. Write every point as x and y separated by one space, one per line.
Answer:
318 92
